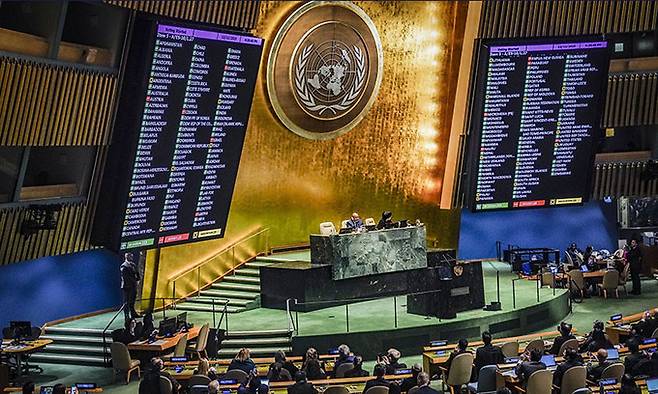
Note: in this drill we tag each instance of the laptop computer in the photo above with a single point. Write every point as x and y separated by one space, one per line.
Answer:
613 354
548 360
652 385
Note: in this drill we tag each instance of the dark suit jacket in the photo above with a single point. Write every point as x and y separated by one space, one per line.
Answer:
129 275
376 382
302 388
246 365
557 343
561 369
488 355
409 383
594 372
631 361
353 225
526 368
426 390
646 327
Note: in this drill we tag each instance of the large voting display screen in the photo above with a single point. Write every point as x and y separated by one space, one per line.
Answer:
535 121
178 137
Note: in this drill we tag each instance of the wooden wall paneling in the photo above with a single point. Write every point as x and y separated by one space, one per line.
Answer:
653 110
6 72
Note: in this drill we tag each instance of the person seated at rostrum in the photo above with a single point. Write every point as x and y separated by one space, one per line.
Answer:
302 386
571 359
529 364
344 357
357 371
462 346
312 367
278 374
597 340
280 357
242 361
594 371
487 354
424 384
386 221
409 383
634 357
379 372
354 223
565 335
645 327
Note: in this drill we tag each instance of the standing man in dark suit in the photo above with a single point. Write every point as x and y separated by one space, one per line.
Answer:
634 258
487 354
527 367
129 280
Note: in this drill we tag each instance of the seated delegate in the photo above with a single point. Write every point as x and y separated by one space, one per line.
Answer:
565 335
529 364
594 372
354 223
386 221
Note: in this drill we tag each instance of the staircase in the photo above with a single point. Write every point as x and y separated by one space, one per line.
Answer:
72 345
262 343
242 290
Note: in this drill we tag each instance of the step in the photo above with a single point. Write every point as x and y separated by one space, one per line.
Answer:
249 271
261 262
242 279
67 359
259 333
75 349
204 308
224 294
219 305
255 342
76 339
231 352
236 286
59 330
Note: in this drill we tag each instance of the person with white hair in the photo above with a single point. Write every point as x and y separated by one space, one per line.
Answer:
424 384
393 355
344 356
213 387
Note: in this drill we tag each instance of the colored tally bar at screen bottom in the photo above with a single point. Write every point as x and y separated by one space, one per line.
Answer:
171 238
531 203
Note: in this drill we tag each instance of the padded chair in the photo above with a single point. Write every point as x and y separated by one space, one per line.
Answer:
575 378
655 333
377 390
615 370
540 382
236 374
165 385
201 341
198 380
181 347
199 389
577 281
510 349
535 344
547 279
570 344
486 380
610 283
343 224
370 222
121 361
584 390
460 372
340 372
336 390
327 228
623 278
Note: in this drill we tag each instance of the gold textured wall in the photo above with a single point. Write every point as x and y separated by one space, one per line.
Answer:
394 159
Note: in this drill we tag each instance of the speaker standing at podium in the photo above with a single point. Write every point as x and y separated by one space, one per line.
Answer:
129 281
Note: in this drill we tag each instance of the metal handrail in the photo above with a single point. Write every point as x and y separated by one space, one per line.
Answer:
291 322
226 249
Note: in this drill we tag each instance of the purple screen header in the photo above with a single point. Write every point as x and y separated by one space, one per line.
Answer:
209 35
565 46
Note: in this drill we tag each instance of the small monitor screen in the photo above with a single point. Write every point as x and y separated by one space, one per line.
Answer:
652 385
616 317
613 354
548 360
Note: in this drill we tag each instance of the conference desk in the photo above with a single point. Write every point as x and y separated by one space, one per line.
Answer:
162 343
353 385
38 389
622 328
22 349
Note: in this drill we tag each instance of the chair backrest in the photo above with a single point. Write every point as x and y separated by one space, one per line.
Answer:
120 356
655 333
202 340
573 379
199 389
583 390
610 280
569 259
370 222
460 370
236 374
377 390
340 371
540 382
570 344
577 278
198 380
615 370
547 279
165 385
487 378
181 346
343 224
623 277
336 390
535 344
510 349
327 228
35 333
